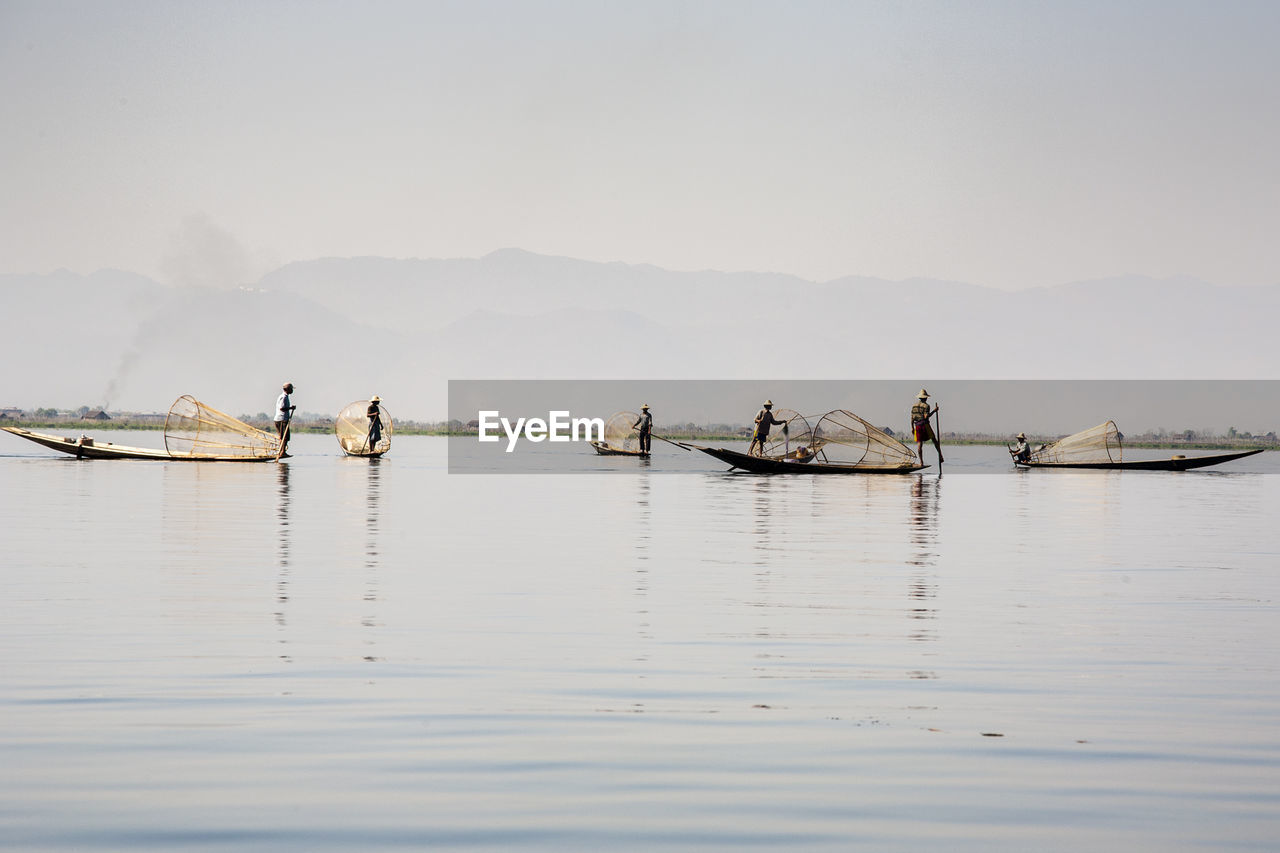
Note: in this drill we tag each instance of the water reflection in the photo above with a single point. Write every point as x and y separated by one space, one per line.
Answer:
282 545
643 515
372 561
922 585
762 503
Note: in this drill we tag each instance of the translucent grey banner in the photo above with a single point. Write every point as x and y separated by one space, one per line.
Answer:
595 426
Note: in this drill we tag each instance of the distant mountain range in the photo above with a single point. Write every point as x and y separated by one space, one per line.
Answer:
345 328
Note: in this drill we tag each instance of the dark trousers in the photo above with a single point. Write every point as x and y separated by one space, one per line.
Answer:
644 441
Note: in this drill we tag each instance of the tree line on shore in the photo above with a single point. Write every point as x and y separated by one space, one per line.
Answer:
83 416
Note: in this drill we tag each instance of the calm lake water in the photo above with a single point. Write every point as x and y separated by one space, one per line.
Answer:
334 654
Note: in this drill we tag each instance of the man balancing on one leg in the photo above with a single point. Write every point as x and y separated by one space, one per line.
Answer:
920 427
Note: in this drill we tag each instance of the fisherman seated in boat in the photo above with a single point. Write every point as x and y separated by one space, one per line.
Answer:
764 420
1021 451
801 454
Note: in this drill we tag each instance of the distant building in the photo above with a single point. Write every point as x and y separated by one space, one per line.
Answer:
96 415
11 414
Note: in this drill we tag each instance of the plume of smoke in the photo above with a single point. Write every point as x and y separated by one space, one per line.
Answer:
202 254
127 363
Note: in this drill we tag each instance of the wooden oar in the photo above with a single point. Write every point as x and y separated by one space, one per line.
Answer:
669 441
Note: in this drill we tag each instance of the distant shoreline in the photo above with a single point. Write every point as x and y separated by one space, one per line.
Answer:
415 428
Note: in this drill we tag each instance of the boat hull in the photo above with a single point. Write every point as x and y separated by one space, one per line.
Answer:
606 450
87 448
1174 464
363 455
765 465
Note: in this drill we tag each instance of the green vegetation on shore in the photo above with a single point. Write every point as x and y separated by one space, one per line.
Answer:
1162 439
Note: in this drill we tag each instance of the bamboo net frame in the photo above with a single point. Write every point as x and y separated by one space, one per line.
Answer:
843 438
1102 443
195 430
620 432
353 429
784 441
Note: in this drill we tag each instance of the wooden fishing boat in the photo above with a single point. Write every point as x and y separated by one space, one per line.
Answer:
85 447
840 443
620 438
1101 448
794 465
609 450
193 432
1174 463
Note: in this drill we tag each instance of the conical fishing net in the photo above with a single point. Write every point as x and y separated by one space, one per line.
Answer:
843 438
620 432
785 440
194 429
1099 444
356 433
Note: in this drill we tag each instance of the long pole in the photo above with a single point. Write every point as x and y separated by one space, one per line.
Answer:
937 426
669 441
284 436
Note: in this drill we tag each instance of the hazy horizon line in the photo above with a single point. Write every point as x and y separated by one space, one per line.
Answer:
516 250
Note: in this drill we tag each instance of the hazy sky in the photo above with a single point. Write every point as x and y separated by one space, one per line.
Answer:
1002 143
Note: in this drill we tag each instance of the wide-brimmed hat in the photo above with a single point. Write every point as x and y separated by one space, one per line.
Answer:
645 406
768 404
375 399
923 394
1022 435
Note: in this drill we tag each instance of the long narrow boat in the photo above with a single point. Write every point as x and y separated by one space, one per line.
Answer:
774 465
1175 463
620 437
840 443
193 432
609 450
86 447
1101 448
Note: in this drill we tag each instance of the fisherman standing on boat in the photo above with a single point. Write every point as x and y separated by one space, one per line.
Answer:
645 425
374 414
1021 452
764 420
920 428
284 414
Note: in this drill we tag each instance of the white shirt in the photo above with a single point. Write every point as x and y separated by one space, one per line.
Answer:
282 407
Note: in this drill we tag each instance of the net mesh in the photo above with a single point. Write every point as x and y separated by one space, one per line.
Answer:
620 432
355 430
194 429
843 438
1099 444
788 439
